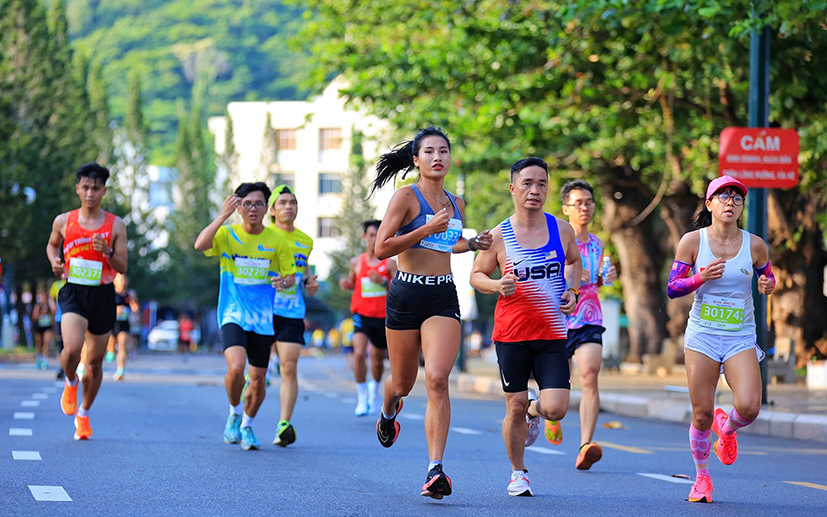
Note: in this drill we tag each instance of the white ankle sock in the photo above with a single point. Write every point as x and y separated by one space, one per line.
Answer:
247 421
83 412
433 464
236 410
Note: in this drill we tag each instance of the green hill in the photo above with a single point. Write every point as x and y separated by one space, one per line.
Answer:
216 50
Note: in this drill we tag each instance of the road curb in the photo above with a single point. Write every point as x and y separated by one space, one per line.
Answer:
769 423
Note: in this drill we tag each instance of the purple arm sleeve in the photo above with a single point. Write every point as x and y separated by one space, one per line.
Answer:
680 284
766 270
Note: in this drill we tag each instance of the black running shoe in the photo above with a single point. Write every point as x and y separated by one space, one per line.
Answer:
60 374
387 430
437 485
285 434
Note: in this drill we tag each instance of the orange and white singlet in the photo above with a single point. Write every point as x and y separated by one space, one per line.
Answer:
369 297
84 265
533 311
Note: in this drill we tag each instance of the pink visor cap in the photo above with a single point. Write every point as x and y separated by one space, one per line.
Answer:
725 181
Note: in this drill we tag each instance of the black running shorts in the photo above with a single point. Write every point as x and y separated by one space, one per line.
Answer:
373 328
120 326
412 299
545 358
585 334
289 330
256 345
95 303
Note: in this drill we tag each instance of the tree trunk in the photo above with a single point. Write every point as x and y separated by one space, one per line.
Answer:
798 304
641 260
677 212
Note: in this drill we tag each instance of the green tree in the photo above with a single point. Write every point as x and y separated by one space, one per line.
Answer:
630 96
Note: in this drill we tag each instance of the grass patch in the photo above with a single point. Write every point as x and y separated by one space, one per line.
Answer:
16 350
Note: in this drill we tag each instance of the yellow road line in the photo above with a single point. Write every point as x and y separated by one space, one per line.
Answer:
626 448
808 485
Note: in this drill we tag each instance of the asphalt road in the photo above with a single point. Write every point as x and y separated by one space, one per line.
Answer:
157 450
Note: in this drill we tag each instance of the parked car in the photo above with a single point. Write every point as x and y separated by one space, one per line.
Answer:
164 336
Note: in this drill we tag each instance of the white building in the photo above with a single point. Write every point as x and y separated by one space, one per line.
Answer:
313 141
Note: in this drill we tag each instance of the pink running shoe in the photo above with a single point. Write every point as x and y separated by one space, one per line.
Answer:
726 446
701 491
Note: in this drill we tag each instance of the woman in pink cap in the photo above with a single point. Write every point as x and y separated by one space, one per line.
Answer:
716 262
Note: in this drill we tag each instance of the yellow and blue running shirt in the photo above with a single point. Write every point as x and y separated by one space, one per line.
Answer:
247 264
289 302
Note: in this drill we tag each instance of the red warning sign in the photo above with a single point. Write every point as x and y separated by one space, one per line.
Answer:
760 157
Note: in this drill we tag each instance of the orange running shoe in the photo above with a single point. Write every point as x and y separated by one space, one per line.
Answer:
590 453
726 446
701 491
82 428
553 432
69 399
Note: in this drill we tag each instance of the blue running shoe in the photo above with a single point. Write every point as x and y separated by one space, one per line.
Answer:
248 439
232 431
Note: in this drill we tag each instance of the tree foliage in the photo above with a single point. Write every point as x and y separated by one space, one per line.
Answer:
631 95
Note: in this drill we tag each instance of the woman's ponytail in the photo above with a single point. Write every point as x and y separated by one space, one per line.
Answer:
390 164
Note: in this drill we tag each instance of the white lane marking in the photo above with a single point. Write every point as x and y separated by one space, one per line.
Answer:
58 384
49 390
163 371
412 416
465 430
30 403
544 450
331 395
349 400
14 431
39 396
26 455
664 477
49 493
22 415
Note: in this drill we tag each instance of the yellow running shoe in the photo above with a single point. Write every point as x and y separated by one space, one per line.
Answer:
69 399
553 432
82 428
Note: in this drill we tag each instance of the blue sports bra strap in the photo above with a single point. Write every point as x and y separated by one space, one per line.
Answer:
423 204
457 214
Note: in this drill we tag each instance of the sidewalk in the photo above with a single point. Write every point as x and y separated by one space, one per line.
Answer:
793 411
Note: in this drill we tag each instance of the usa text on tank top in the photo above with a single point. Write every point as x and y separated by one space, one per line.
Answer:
533 311
84 265
724 306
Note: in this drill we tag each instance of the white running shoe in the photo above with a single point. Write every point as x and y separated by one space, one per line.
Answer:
533 423
519 484
373 395
361 403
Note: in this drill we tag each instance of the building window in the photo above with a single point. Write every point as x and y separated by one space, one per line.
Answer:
284 178
330 139
327 227
286 139
330 183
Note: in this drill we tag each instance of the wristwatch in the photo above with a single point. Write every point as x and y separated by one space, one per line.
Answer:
111 252
576 294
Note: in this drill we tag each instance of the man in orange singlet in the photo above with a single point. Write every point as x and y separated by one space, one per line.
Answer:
94 248
368 279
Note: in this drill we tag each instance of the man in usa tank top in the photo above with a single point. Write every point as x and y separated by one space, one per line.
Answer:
94 250
532 251
717 262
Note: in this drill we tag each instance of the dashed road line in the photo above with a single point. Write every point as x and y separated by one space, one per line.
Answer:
349 400
16 431
545 450
49 493
40 396
23 415
26 455
808 485
412 416
466 431
686 449
664 477
626 448
49 390
30 403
